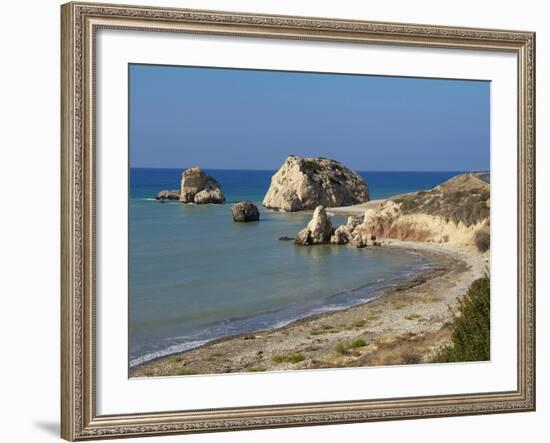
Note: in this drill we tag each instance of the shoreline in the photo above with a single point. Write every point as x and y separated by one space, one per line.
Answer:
370 291
412 313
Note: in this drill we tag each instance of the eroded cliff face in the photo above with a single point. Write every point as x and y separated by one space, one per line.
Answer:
456 212
305 183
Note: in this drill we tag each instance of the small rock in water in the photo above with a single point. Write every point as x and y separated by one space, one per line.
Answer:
285 238
167 195
245 212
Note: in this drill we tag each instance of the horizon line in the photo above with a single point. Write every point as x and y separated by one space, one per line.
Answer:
276 169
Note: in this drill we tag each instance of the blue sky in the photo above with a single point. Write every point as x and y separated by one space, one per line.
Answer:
247 119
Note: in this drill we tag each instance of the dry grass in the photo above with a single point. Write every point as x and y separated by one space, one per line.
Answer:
401 304
324 329
406 349
461 199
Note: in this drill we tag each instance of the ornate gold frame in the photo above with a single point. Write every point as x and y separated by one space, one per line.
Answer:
80 21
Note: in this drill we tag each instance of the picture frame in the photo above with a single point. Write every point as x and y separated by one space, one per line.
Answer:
79 177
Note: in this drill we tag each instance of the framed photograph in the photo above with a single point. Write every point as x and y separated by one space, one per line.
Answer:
277 221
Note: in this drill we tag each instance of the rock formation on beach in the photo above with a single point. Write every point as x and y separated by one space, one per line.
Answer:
305 183
318 231
245 212
457 211
198 187
343 234
168 195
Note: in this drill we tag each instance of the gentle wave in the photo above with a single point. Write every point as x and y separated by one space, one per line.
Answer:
173 349
278 319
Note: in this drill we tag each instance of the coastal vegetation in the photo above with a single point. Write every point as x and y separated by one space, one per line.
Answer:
462 199
185 372
471 326
342 348
257 369
290 358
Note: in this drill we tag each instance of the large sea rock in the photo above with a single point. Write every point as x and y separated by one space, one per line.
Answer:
198 187
305 183
245 212
318 231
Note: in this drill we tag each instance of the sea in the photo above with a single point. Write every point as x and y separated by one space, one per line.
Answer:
196 276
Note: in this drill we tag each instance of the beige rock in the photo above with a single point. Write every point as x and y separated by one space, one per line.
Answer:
302 238
168 195
318 231
342 235
198 187
305 183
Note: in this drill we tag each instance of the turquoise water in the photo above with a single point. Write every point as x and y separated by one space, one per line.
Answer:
196 276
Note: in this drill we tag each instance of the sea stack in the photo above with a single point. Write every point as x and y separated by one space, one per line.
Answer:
305 183
318 231
198 187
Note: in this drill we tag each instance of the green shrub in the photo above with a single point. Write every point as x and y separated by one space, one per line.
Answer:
186 372
342 348
257 369
358 343
290 358
471 326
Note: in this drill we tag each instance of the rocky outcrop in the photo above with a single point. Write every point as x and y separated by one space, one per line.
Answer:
354 234
318 231
453 212
245 212
198 187
168 195
305 183
457 211
343 234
